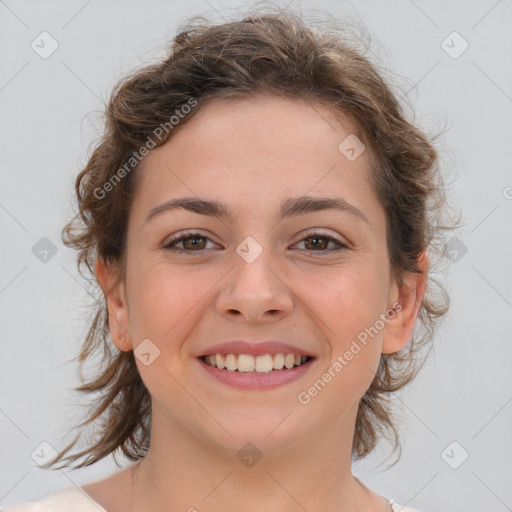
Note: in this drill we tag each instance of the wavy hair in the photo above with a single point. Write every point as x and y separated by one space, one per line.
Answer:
259 53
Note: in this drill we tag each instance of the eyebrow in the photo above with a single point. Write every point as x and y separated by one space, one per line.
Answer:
289 208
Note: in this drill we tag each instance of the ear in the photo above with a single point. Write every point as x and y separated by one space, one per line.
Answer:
113 287
398 330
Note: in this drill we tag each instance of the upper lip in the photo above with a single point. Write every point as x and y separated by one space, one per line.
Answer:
255 349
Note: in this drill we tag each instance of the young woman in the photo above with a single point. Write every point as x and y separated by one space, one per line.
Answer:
258 215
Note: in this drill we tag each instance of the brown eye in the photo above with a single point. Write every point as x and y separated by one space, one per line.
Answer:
318 242
192 243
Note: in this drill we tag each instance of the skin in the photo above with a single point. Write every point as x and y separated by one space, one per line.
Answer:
251 154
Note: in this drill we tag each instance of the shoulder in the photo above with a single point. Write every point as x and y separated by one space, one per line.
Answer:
71 498
400 508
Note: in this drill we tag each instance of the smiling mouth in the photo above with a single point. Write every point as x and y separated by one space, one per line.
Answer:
247 363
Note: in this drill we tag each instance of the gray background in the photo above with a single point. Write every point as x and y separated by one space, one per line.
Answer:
50 115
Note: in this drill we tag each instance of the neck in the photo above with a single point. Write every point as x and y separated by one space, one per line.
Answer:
186 472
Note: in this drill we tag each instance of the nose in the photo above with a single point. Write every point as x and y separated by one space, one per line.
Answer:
255 289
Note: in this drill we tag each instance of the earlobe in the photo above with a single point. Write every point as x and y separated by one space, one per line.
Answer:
118 315
399 329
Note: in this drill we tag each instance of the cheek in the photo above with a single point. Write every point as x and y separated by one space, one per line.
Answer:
163 300
349 304
348 299
164 309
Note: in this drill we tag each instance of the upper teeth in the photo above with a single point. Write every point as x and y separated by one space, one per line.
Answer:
249 363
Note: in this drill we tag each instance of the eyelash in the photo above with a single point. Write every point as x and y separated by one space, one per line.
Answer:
170 246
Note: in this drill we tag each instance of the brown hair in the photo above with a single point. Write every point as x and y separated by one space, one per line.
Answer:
262 53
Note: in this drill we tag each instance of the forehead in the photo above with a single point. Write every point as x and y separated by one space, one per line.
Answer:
255 152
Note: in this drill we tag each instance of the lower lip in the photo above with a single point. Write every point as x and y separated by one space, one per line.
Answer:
257 380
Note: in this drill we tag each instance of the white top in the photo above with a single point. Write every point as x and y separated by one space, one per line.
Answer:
75 499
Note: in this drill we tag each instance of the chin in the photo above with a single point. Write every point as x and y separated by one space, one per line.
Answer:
267 431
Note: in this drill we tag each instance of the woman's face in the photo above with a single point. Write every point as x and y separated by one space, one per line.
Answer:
257 275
